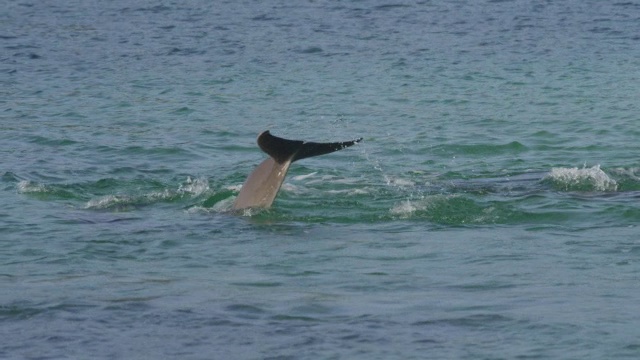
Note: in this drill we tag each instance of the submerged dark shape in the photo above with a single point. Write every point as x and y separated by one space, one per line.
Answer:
262 186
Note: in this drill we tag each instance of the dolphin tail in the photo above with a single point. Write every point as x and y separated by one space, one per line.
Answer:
263 184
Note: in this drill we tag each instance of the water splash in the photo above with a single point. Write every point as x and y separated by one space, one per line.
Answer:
195 187
452 209
406 208
191 188
585 179
43 191
26 187
303 177
109 202
125 202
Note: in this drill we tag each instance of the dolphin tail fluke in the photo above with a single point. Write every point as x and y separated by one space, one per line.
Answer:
283 150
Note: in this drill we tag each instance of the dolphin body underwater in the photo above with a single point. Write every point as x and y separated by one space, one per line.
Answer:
263 184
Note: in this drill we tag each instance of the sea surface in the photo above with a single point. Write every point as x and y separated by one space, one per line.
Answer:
490 212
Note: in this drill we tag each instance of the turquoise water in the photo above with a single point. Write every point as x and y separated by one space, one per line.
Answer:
490 212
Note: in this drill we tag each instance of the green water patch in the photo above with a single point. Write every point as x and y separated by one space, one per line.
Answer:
437 210
217 197
463 210
41 140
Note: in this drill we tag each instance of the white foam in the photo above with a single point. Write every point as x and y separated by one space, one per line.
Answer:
234 187
592 177
159 195
194 187
221 206
249 212
403 182
351 192
321 179
406 208
26 186
288 187
303 177
631 173
224 205
107 201
198 210
398 182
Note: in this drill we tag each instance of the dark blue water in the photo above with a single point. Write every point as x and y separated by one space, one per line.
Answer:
490 212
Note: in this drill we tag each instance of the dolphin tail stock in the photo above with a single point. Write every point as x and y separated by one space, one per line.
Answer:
263 184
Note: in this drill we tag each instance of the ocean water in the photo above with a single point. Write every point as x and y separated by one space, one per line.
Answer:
491 211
